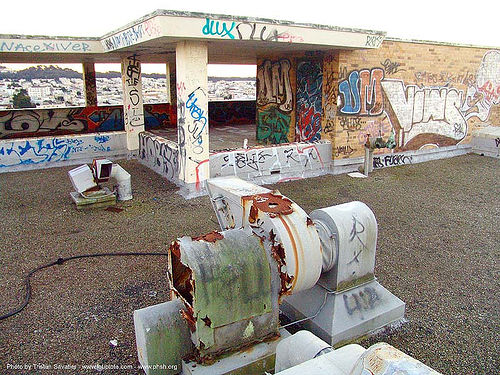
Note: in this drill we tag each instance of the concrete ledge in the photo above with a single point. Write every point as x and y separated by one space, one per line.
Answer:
486 141
47 152
394 159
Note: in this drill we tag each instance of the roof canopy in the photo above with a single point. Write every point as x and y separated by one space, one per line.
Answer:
230 40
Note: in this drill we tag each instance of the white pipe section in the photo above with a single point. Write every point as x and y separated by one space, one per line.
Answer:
124 187
300 347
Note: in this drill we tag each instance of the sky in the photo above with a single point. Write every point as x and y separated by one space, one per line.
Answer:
444 21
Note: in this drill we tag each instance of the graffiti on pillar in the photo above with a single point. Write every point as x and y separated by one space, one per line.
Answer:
198 126
134 114
309 104
361 93
274 101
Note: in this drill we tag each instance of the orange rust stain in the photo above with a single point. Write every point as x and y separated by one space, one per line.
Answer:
295 253
175 248
273 204
188 315
278 254
210 237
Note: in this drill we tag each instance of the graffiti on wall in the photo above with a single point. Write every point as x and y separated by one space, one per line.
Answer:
159 154
485 91
135 34
422 116
246 31
235 112
274 101
49 150
362 93
59 121
431 112
44 46
261 161
309 105
391 160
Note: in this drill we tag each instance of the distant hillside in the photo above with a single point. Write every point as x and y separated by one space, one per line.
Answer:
54 72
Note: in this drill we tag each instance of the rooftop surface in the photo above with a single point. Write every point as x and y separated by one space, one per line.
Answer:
438 251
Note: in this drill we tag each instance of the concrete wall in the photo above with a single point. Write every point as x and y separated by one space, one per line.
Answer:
270 164
75 120
263 164
45 152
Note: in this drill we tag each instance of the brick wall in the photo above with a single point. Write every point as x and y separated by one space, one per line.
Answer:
429 95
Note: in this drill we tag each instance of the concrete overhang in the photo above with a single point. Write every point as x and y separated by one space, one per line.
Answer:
230 40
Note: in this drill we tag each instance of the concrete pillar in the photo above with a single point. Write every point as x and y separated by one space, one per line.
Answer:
192 112
133 111
167 83
90 84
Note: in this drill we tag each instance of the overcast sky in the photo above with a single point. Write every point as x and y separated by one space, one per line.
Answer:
473 22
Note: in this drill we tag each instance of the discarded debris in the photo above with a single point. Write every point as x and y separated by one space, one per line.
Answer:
114 209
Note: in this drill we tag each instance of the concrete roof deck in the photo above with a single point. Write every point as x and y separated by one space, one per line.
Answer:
437 250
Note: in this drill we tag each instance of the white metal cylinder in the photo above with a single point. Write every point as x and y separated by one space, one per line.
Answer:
300 347
124 184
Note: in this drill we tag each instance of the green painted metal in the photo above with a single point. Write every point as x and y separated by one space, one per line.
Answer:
230 286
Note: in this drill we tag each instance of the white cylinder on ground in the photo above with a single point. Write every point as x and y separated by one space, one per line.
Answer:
124 184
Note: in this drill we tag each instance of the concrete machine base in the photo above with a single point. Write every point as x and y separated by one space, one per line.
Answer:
344 315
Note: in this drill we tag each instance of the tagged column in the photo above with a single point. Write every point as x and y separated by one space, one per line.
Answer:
133 110
192 112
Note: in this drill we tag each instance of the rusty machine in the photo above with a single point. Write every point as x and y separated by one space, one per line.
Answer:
228 287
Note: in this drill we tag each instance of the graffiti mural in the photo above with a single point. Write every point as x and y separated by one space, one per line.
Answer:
274 101
309 101
60 121
234 112
272 126
433 109
362 93
422 116
485 91
31 152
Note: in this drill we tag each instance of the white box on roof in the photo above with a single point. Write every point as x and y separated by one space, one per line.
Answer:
82 178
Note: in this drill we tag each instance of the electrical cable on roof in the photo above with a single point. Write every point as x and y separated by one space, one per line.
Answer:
59 261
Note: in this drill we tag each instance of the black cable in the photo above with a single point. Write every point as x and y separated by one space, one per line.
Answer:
27 296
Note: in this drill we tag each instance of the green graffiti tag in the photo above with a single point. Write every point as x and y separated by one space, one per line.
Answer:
272 126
